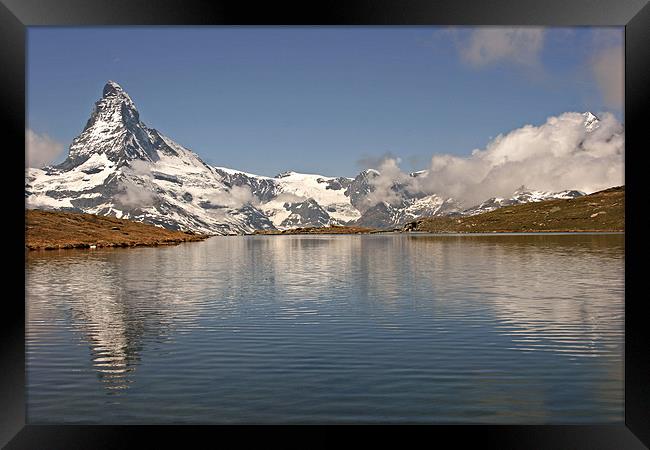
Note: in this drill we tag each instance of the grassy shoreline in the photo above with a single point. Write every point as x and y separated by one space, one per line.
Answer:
602 211
53 230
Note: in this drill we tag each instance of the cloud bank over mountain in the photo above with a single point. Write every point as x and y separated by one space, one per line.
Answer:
234 197
562 153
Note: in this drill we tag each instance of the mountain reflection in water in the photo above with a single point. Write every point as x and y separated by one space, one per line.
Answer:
375 328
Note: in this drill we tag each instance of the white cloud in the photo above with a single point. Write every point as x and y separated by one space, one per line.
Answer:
40 149
288 197
389 175
235 197
489 45
522 47
374 162
135 195
560 154
608 68
141 168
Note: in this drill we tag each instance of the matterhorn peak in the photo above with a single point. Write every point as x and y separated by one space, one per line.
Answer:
112 88
115 107
114 94
114 129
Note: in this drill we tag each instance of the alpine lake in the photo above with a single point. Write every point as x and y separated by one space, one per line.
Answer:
382 328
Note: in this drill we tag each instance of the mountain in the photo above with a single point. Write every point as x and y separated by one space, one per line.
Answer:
520 196
599 211
120 167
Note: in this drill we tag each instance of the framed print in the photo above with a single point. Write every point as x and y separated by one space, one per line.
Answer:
417 213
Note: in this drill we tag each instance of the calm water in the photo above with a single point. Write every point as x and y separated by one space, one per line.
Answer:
379 328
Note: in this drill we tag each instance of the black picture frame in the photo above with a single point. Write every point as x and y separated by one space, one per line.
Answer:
634 15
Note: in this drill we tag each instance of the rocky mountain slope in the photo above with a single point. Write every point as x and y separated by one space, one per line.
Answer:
600 211
120 167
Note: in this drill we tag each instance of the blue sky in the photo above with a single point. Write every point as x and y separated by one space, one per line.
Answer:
326 100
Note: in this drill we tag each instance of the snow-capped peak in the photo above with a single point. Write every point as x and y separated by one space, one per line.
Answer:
114 129
114 96
369 172
115 108
591 121
111 87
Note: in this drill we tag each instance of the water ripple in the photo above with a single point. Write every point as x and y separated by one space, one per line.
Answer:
301 329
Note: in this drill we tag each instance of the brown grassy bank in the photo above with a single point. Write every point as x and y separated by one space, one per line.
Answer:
48 230
598 212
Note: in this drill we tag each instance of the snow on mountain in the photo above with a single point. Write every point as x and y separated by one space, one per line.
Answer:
591 121
326 193
519 197
293 199
386 215
305 214
429 206
120 167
